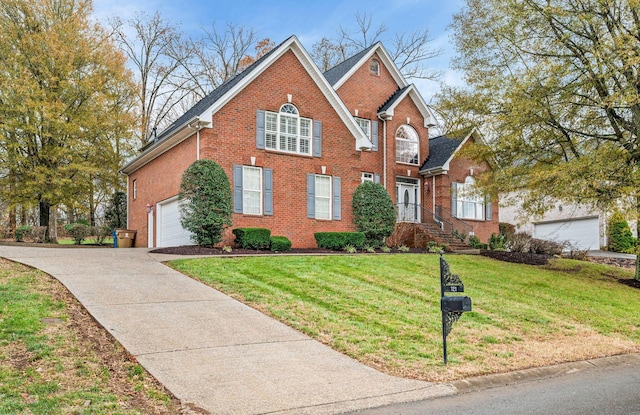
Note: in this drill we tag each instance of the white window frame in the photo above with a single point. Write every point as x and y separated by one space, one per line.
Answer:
328 197
365 125
374 67
135 189
407 145
367 177
286 131
247 208
469 205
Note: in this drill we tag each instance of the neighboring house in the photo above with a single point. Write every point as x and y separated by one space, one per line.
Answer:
295 144
581 226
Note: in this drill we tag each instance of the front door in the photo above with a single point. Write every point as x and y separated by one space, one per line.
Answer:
408 199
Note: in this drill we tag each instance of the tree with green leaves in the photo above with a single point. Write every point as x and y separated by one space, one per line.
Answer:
555 85
205 202
64 99
373 213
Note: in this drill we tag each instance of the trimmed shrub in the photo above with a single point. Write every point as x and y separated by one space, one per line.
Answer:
280 244
253 238
101 233
496 242
620 236
205 202
339 240
373 213
78 231
474 242
21 232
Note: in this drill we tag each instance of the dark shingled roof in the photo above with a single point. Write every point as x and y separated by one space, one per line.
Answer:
210 99
440 150
393 99
336 73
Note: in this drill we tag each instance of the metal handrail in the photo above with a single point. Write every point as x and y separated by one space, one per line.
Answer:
457 225
413 212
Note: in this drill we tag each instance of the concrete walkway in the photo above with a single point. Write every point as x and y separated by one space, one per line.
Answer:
210 350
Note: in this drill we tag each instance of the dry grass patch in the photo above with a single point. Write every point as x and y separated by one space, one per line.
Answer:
55 359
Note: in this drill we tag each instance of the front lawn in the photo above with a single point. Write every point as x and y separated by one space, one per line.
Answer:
55 359
384 310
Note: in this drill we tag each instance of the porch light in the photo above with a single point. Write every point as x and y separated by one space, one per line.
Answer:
149 208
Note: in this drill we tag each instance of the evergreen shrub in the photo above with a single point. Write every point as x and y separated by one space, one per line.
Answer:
253 238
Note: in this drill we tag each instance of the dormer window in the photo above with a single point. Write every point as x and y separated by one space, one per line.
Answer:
287 131
374 67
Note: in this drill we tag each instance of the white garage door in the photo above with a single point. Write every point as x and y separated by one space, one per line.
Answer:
581 233
170 231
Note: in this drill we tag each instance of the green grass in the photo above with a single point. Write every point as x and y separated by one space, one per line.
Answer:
47 366
88 241
385 310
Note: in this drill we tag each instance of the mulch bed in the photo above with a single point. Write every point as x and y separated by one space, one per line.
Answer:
518 257
199 250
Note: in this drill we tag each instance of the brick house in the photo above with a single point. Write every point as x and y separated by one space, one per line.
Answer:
294 142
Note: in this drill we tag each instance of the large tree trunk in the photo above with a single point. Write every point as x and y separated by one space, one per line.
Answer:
45 212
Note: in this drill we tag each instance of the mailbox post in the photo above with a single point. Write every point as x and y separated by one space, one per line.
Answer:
452 307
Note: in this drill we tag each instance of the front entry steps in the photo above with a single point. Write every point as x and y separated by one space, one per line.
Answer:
418 235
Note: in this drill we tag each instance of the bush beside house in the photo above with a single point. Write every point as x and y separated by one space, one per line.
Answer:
206 209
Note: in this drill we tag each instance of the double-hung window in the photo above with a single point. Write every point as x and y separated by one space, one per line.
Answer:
323 197
252 190
466 203
287 131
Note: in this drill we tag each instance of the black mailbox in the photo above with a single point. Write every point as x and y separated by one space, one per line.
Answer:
456 303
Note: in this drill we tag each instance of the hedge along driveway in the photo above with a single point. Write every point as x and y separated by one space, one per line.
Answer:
384 310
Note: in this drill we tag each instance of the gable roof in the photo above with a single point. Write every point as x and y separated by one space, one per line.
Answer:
442 150
335 74
340 73
199 116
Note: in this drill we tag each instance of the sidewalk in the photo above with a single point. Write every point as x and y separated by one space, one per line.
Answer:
210 350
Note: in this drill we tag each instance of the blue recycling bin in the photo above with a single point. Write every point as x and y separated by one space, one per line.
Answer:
115 238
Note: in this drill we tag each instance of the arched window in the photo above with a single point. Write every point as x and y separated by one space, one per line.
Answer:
407 145
287 131
374 67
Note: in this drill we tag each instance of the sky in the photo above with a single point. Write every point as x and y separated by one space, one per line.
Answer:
309 20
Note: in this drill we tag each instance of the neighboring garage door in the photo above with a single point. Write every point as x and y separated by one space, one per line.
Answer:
170 231
581 233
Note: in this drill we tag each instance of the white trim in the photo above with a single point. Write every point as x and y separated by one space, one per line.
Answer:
330 196
260 190
293 44
150 222
425 111
383 58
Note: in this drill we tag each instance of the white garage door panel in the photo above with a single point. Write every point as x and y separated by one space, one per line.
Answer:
581 233
171 231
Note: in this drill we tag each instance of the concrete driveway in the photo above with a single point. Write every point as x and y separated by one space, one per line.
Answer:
210 350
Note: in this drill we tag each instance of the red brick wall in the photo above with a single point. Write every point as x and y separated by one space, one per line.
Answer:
158 181
459 170
367 93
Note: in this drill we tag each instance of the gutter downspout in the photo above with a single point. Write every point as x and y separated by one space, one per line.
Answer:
384 151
